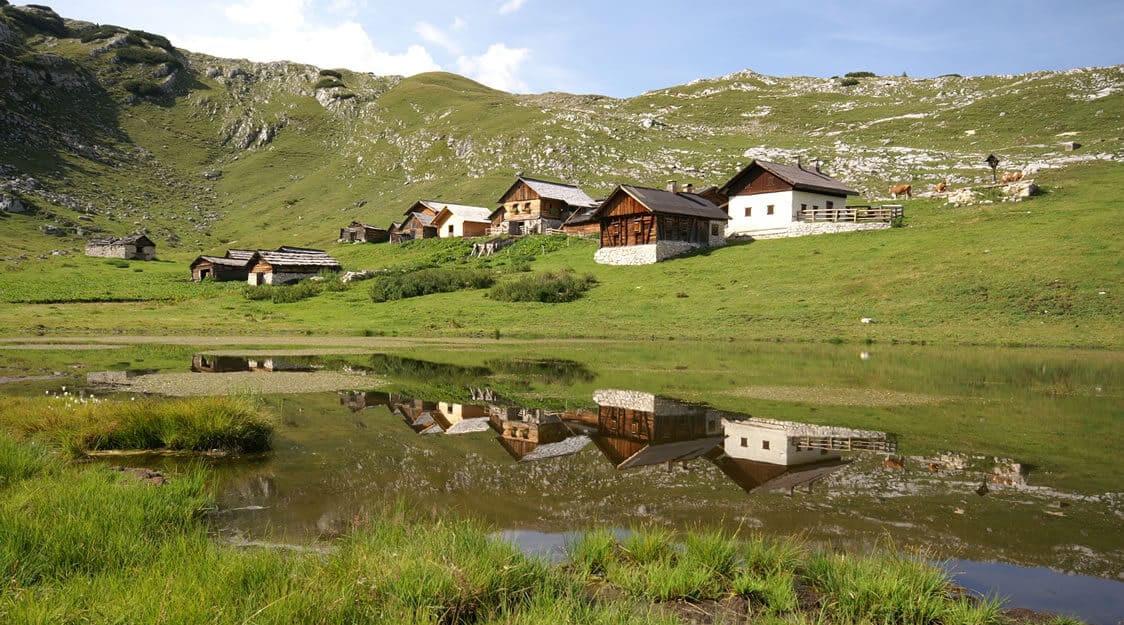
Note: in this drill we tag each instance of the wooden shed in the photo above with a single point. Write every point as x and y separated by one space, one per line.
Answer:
288 264
583 222
418 225
219 268
640 225
358 232
537 206
134 247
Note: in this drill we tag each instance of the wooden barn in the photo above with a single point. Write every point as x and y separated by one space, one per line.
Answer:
583 222
219 268
288 264
640 225
417 225
637 429
359 232
533 206
135 247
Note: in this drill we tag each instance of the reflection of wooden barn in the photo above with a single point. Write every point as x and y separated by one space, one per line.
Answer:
134 247
532 206
641 225
358 232
636 429
754 476
204 363
361 400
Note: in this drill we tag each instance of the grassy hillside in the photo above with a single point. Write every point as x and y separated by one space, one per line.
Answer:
1043 271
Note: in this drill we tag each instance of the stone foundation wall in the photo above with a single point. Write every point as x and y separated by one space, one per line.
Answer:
804 228
642 254
286 278
107 251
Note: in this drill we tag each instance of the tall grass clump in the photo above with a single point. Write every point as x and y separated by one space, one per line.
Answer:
592 552
20 461
389 287
283 293
231 424
550 287
145 56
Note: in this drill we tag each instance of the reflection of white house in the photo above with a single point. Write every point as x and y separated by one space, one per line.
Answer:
766 198
789 443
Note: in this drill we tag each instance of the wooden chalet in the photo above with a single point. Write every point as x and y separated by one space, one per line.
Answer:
640 225
459 220
358 232
417 225
288 264
533 206
134 247
766 198
233 266
583 222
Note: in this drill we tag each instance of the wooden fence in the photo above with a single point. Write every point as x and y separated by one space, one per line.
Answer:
831 443
854 214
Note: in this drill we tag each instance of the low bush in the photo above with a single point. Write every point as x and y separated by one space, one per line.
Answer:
859 75
849 82
331 72
281 293
145 56
389 287
101 32
327 83
159 41
35 18
551 287
143 88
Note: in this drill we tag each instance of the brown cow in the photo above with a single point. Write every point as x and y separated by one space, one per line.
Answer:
941 187
902 189
1011 176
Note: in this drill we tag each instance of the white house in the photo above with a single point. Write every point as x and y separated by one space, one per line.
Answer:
789 443
766 198
458 220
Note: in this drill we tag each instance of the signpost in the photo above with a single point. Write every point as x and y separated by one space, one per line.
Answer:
993 162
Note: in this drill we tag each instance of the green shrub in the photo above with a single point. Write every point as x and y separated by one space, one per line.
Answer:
551 287
159 41
143 88
859 75
327 83
145 56
101 32
331 72
34 21
389 287
283 294
849 82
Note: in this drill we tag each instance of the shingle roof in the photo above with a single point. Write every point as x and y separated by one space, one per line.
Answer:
297 259
221 260
568 193
239 254
468 213
798 177
666 202
422 218
133 239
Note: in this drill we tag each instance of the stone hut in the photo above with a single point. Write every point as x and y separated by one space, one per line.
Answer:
135 247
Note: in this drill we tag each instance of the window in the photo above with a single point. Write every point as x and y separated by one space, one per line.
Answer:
764 444
830 205
745 442
803 207
769 209
714 230
450 228
749 211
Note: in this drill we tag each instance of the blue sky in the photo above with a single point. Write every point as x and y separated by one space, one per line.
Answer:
626 47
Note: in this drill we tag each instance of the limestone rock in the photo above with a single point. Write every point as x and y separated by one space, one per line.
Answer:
1022 189
11 204
960 197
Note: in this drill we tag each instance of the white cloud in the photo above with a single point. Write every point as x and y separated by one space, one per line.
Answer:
459 24
511 6
342 45
498 67
432 34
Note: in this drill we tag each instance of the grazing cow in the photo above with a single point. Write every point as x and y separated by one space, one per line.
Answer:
941 187
894 463
1011 176
902 189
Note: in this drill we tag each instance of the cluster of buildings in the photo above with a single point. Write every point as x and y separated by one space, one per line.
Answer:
638 225
284 265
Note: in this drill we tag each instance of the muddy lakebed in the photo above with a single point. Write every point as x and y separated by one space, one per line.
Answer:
1001 464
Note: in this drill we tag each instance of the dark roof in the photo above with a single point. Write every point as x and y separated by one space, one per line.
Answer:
422 218
800 178
221 260
239 254
568 193
668 203
581 217
296 259
133 239
300 250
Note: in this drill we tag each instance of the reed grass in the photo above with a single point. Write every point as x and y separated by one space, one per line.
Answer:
80 425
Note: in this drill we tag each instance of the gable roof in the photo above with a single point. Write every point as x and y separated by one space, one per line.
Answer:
133 239
285 258
432 205
221 261
467 213
667 203
568 193
421 218
801 179
239 254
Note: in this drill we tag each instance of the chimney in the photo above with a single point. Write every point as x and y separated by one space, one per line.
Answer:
688 188
817 162
673 186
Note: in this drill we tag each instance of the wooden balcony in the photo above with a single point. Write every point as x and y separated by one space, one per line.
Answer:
853 214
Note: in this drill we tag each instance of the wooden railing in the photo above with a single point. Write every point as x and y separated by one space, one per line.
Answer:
829 443
856 214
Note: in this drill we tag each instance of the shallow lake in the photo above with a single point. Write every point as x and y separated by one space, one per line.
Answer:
1002 463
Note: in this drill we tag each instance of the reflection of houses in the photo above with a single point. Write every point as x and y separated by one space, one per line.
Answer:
766 454
533 433
358 232
203 363
360 400
635 429
533 206
641 225
135 247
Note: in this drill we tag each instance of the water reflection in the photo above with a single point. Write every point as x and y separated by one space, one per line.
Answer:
634 429
203 363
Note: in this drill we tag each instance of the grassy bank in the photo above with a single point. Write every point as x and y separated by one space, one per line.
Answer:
91 545
81 425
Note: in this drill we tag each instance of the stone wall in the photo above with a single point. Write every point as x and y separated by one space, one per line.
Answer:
642 254
107 251
286 278
804 228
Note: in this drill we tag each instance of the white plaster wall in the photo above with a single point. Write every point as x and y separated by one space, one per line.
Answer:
782 202
458 227
777 453
814 199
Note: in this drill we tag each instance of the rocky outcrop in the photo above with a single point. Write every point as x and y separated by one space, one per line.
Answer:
11 204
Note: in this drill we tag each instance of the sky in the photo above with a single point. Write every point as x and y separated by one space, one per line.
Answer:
623 48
